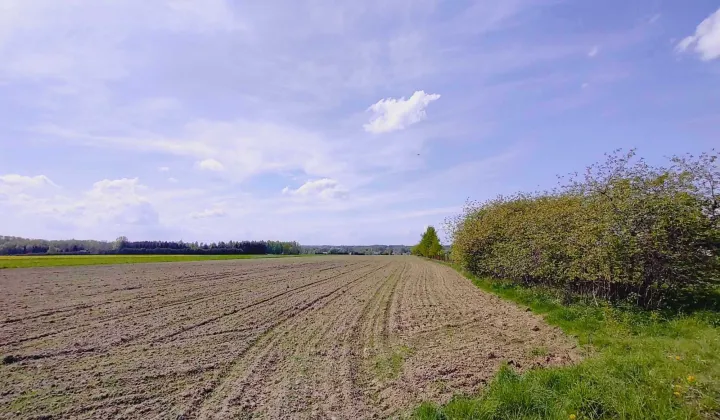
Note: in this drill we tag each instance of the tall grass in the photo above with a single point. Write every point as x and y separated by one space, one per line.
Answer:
638 365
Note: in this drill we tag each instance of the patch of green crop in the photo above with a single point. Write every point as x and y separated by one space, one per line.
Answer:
389 365
539 351
32 401
75 260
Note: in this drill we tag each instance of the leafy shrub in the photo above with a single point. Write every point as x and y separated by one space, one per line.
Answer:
623 231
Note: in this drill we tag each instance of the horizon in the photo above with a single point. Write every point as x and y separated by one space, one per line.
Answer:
206 242
320 122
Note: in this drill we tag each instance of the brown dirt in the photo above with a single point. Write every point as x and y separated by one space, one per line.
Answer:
343 337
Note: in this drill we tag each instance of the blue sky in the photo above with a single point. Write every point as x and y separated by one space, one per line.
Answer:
338 122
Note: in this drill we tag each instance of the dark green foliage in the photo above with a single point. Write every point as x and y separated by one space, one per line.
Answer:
623 231
13 245
429 245
10 245
231 247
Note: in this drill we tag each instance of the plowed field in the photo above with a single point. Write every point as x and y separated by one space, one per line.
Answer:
344 337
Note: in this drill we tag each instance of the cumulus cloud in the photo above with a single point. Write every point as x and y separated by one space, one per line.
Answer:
107 203
396 114
247 148
25 191
112 202
211 165
209 213
172 180
163 169
112 196
325 188
706 40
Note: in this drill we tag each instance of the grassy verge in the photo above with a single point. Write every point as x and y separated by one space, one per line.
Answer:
68 260
639 365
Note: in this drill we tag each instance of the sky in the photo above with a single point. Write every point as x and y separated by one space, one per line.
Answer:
331 122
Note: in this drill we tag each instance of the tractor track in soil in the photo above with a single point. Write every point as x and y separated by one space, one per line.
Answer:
343 337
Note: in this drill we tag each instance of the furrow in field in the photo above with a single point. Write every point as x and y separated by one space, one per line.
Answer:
326 392
179 301
250 372
372 347
343 337
207 321
87 335
237 345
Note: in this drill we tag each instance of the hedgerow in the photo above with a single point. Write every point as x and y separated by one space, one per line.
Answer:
622 231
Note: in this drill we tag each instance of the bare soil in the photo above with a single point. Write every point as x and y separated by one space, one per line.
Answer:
344 337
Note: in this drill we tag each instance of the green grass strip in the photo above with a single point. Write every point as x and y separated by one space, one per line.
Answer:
638 365
74 260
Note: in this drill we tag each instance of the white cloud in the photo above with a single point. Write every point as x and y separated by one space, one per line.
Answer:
111 195
79 46
172 180
593 51
118 202
20 181
706 40
209 213
245 148
211 165
26 191
163 169
325 188
109 203
397 114
117 185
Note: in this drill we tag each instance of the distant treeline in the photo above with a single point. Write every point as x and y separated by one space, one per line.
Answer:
10 245
356 249
624 230
13 245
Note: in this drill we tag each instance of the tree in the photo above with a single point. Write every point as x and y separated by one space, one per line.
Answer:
120 243
429 245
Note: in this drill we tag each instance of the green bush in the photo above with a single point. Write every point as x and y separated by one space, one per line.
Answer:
623 231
